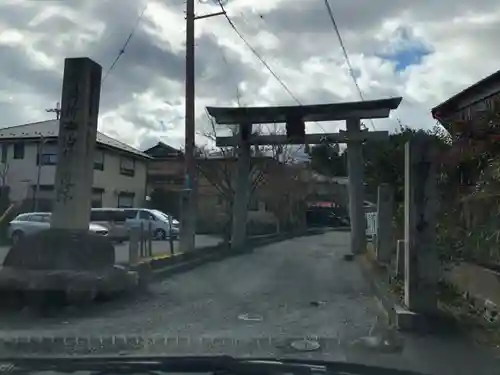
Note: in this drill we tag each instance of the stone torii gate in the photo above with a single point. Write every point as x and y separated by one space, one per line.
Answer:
295 118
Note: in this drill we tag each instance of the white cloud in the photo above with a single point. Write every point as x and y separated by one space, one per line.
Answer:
142 99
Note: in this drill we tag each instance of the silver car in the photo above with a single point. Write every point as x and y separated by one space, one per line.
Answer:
157 220
32 222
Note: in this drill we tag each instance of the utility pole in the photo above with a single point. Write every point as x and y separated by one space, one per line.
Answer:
57 110
39 173
189 201
188 221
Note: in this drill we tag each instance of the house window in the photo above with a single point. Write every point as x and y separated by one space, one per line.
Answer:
18 150
5 150
49 159
220 199
127 166
125 200
97 197
253 205
99 160
48 154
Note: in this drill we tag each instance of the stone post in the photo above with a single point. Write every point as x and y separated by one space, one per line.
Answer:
76 144
242 191
384 223
170 236
421 264
150 239
142 242
400 259
186 200
133 250
356 189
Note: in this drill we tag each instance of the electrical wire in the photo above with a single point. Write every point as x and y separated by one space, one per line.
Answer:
346 55
127 41
260 58
238 93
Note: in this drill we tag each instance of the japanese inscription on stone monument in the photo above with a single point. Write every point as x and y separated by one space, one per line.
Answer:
76 144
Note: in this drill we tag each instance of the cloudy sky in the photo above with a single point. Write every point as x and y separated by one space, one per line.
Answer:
424 51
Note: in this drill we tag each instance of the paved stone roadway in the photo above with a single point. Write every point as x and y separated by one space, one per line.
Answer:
254 304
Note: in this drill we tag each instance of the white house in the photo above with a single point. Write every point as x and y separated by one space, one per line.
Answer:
29 156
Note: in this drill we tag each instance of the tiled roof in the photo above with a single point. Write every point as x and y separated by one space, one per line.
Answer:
50 128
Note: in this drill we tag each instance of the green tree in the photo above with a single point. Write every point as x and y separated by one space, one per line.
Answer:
327 159
383 160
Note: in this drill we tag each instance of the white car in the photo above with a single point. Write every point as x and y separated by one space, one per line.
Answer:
159 221
33 222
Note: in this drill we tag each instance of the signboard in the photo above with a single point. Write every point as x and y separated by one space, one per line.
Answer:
323 204
371 223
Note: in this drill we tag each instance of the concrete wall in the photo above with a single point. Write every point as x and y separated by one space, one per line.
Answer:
22 175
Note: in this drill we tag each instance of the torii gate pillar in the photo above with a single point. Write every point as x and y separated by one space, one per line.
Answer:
351 112
356 186
242 191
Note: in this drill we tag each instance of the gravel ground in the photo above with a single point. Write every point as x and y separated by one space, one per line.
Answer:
274 301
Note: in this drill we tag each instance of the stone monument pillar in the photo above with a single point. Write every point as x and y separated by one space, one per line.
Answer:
384 244
421 264
76 144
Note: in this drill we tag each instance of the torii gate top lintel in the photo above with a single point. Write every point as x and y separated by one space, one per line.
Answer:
317 112
295 118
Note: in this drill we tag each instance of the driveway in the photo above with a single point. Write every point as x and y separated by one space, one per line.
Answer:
276 301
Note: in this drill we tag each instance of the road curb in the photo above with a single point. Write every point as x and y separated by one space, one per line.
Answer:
378 287
157 269
398 315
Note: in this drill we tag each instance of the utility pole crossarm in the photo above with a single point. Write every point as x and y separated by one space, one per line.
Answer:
56 110
209 15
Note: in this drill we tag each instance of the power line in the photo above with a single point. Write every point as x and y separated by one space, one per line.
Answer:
127 41
346 55
261 59
266 65
238 93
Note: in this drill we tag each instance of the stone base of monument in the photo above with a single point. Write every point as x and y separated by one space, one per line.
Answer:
64 267
410 321
406 320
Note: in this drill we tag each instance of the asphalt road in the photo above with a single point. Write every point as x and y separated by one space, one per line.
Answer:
159 247
259 304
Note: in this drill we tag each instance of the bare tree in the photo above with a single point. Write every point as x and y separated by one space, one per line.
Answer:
218 167
286 195
274 177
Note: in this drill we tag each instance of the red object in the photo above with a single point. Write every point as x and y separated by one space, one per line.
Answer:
322 204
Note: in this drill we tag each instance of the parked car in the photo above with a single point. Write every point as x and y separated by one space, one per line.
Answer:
158 220
114 219
33 222
325 218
